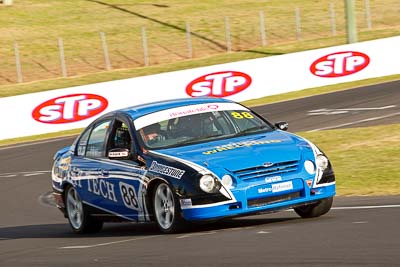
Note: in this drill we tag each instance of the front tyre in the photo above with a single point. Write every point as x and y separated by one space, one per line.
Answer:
166 210
79 218
315 210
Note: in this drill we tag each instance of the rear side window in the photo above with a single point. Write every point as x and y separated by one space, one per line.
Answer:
96 144
81 150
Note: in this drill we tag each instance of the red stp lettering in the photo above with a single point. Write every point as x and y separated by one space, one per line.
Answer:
219 84
339 64
69 108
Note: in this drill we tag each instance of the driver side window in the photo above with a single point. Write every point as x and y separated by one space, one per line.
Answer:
120 136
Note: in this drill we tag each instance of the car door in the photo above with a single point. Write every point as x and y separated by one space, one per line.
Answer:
126 175
87 170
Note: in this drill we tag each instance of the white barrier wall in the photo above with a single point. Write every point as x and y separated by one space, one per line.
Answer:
76 107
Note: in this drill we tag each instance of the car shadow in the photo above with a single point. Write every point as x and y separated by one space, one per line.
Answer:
63 230
243 222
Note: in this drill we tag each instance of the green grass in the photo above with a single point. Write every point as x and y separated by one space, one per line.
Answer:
366 160
39 137
36 25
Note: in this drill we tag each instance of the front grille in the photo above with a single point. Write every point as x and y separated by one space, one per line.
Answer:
273 199
262 171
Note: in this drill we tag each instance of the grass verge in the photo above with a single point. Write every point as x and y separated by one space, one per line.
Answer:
366 160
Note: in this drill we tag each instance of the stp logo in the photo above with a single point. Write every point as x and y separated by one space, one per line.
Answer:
340 64
69 108
219 84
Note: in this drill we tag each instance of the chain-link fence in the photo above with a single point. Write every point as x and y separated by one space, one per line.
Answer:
159 42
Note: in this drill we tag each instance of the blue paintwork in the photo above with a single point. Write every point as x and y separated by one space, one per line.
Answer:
243 157
100 182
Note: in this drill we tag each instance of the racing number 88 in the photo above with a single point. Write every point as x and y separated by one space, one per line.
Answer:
129 196
242 115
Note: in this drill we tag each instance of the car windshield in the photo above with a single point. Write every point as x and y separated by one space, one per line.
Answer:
193 124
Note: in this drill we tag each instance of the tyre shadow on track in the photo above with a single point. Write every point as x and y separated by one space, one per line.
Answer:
62 230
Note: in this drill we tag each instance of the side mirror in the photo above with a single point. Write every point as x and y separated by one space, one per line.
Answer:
119 153
282 125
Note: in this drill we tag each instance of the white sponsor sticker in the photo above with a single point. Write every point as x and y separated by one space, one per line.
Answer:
186 202
118 154
183 111
166 170
282 187
264 190
273 179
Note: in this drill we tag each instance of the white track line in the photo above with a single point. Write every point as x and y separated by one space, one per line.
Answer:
33 174
366 207
26 172
355 122
109 243
196 234
351 109
8 176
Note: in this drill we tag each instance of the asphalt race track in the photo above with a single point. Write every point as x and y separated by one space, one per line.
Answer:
358 231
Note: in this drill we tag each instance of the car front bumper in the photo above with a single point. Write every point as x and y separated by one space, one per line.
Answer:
247 202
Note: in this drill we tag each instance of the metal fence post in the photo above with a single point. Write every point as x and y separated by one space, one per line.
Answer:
368 15
62 57
105 50
262 29
145 49
18 63
228 35
351 24
189 40
298 23
333 18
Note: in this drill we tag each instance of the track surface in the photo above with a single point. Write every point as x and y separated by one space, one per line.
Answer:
34 233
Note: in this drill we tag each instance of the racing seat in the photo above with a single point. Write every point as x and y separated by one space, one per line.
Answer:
186 127
122 138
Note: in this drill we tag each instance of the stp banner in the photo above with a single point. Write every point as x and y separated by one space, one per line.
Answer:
76 107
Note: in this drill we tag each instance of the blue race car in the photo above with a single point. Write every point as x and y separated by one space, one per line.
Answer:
188 160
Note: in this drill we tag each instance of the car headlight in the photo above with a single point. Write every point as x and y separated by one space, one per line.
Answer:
322 162
309 166
227 181
209 184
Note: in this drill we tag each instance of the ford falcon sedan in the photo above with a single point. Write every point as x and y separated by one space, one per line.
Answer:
183 161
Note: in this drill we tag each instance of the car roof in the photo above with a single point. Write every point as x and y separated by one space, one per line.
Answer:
140 110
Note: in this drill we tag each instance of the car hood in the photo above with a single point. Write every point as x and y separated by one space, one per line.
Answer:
241 152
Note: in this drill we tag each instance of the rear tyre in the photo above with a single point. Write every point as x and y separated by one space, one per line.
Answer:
166 210
78 216
315 210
